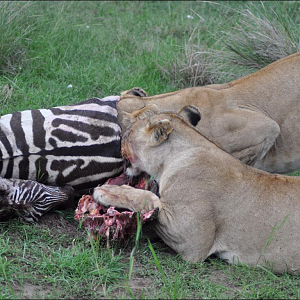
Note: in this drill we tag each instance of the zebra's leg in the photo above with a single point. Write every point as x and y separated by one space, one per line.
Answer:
126 197
30 199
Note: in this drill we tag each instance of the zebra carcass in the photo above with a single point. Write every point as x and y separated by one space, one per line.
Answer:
75 145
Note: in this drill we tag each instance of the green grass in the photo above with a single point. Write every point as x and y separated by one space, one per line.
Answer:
41 261
263 34
55 264
103 48
54 259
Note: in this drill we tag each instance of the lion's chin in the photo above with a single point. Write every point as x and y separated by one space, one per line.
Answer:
132 171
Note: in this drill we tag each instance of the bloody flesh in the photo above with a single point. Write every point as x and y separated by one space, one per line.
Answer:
110 222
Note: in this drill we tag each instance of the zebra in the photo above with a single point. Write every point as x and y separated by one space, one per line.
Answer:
77 145
74 148
30 199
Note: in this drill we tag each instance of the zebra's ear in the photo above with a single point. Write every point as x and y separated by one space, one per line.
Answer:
140 114
136 91
190 114
159 131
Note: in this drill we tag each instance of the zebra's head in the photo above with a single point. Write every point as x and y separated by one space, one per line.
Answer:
30 199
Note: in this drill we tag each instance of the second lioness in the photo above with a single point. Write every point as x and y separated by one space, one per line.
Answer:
210 202
255 118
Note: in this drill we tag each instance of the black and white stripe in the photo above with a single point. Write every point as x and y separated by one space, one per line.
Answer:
78 145
30 199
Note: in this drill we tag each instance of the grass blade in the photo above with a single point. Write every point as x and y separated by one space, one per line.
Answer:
157 263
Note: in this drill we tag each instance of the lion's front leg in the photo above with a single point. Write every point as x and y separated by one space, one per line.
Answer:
126 197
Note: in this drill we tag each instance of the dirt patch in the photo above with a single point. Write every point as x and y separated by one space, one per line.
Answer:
56 219
219 278
60 225
138 285
29 291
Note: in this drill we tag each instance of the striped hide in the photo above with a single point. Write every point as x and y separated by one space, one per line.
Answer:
78 145
30 199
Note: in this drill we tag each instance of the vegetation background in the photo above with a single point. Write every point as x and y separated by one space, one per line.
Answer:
58 53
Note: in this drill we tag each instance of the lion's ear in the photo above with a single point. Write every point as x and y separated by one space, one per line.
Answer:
136 91
145 112
191 114
159 131
140 114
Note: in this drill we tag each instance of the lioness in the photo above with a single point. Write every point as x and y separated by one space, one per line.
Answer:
255 118
210 201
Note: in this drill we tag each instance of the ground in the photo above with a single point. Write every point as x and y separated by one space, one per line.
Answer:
55 259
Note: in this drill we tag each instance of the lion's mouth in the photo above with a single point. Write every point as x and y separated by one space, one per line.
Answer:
127 164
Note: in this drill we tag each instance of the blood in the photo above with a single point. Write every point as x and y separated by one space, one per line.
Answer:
108 222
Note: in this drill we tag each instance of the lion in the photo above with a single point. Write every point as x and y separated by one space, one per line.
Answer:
255 118
210 202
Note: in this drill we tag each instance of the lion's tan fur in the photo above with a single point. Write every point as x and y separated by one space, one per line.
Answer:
255 118
211 202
